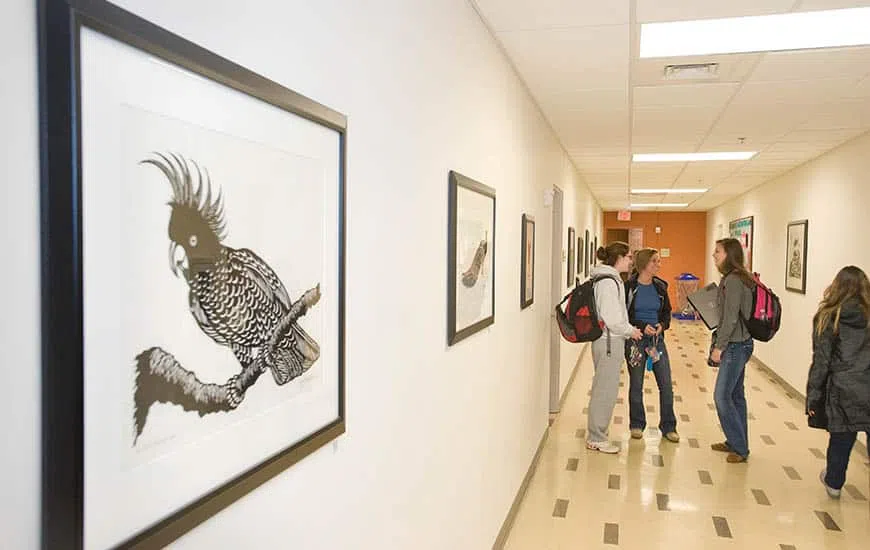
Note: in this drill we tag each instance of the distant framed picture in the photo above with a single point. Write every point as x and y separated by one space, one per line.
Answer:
571 252
587 256
742 230
174 385
527 265
581 258
796 256
471 257
594 252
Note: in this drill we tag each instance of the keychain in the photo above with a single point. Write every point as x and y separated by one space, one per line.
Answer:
652 354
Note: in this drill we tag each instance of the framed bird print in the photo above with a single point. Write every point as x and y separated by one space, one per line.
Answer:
193 241
587 256
571 253
527 262
796 256
470 257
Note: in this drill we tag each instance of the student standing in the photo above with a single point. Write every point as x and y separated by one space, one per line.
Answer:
732 348
838 385
608 349
649 309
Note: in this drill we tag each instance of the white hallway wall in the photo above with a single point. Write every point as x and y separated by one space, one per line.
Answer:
438 439
832 193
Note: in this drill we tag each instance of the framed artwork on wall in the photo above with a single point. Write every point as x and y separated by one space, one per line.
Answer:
796 256
172 389
742 230
471 257
571 253
594 252
581 258
587 255
527 263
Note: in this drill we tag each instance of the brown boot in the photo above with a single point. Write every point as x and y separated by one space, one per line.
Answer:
721 447
734 458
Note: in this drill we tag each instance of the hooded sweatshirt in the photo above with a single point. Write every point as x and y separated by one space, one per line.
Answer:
610 301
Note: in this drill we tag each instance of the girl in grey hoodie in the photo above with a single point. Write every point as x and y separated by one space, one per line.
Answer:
607 351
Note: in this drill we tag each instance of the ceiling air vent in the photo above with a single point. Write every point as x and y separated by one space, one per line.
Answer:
693 71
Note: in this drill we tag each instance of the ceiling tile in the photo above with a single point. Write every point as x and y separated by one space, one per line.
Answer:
793 92
710 96
504 15
813 64
853 114
684 10
732 69
571 59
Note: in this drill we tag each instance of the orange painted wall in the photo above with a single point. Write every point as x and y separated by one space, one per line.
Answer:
685 233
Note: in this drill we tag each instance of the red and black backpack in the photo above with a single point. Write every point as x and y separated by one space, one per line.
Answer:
579 321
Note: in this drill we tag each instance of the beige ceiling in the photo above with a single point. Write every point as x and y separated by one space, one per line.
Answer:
579 59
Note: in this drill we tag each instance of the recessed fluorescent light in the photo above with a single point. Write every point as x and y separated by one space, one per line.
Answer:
761 33
663 191
660 205
692 157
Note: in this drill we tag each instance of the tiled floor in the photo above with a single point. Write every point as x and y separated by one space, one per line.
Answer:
656 494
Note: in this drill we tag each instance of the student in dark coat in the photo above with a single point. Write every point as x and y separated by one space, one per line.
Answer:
838 385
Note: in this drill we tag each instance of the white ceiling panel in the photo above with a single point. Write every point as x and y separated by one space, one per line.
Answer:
838 115
673 121
559 102
813 5
793 92
571 59
505 15
813 64
682 10
711 97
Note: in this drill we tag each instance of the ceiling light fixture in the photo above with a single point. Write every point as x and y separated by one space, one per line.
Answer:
762 33
666 191
659 205
692 157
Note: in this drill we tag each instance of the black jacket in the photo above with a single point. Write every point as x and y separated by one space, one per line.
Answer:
838 385
661 287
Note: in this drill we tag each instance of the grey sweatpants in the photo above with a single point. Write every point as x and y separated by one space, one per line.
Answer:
605 385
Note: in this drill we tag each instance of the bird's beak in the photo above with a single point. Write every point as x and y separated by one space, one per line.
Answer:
175 263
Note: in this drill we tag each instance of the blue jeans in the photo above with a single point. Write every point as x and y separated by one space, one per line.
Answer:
839 448
662 373
730 395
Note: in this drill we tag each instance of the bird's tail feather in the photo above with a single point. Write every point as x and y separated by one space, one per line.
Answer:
296 352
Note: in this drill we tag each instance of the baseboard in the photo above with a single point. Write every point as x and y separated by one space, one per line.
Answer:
784 383
515 507
521 493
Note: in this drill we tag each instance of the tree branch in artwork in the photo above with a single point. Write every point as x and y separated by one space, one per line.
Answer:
160 378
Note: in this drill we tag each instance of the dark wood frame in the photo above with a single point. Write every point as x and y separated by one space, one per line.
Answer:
731 225
806 226
456 180
59 26
571 254
587 255
593 253
581 255
528 225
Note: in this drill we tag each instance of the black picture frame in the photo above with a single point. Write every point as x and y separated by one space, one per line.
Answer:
588 256
60 23
580 255
571 253
527 262
594 252
796 255
457 181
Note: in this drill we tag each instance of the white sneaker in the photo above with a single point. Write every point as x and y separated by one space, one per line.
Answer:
603 446
833 493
